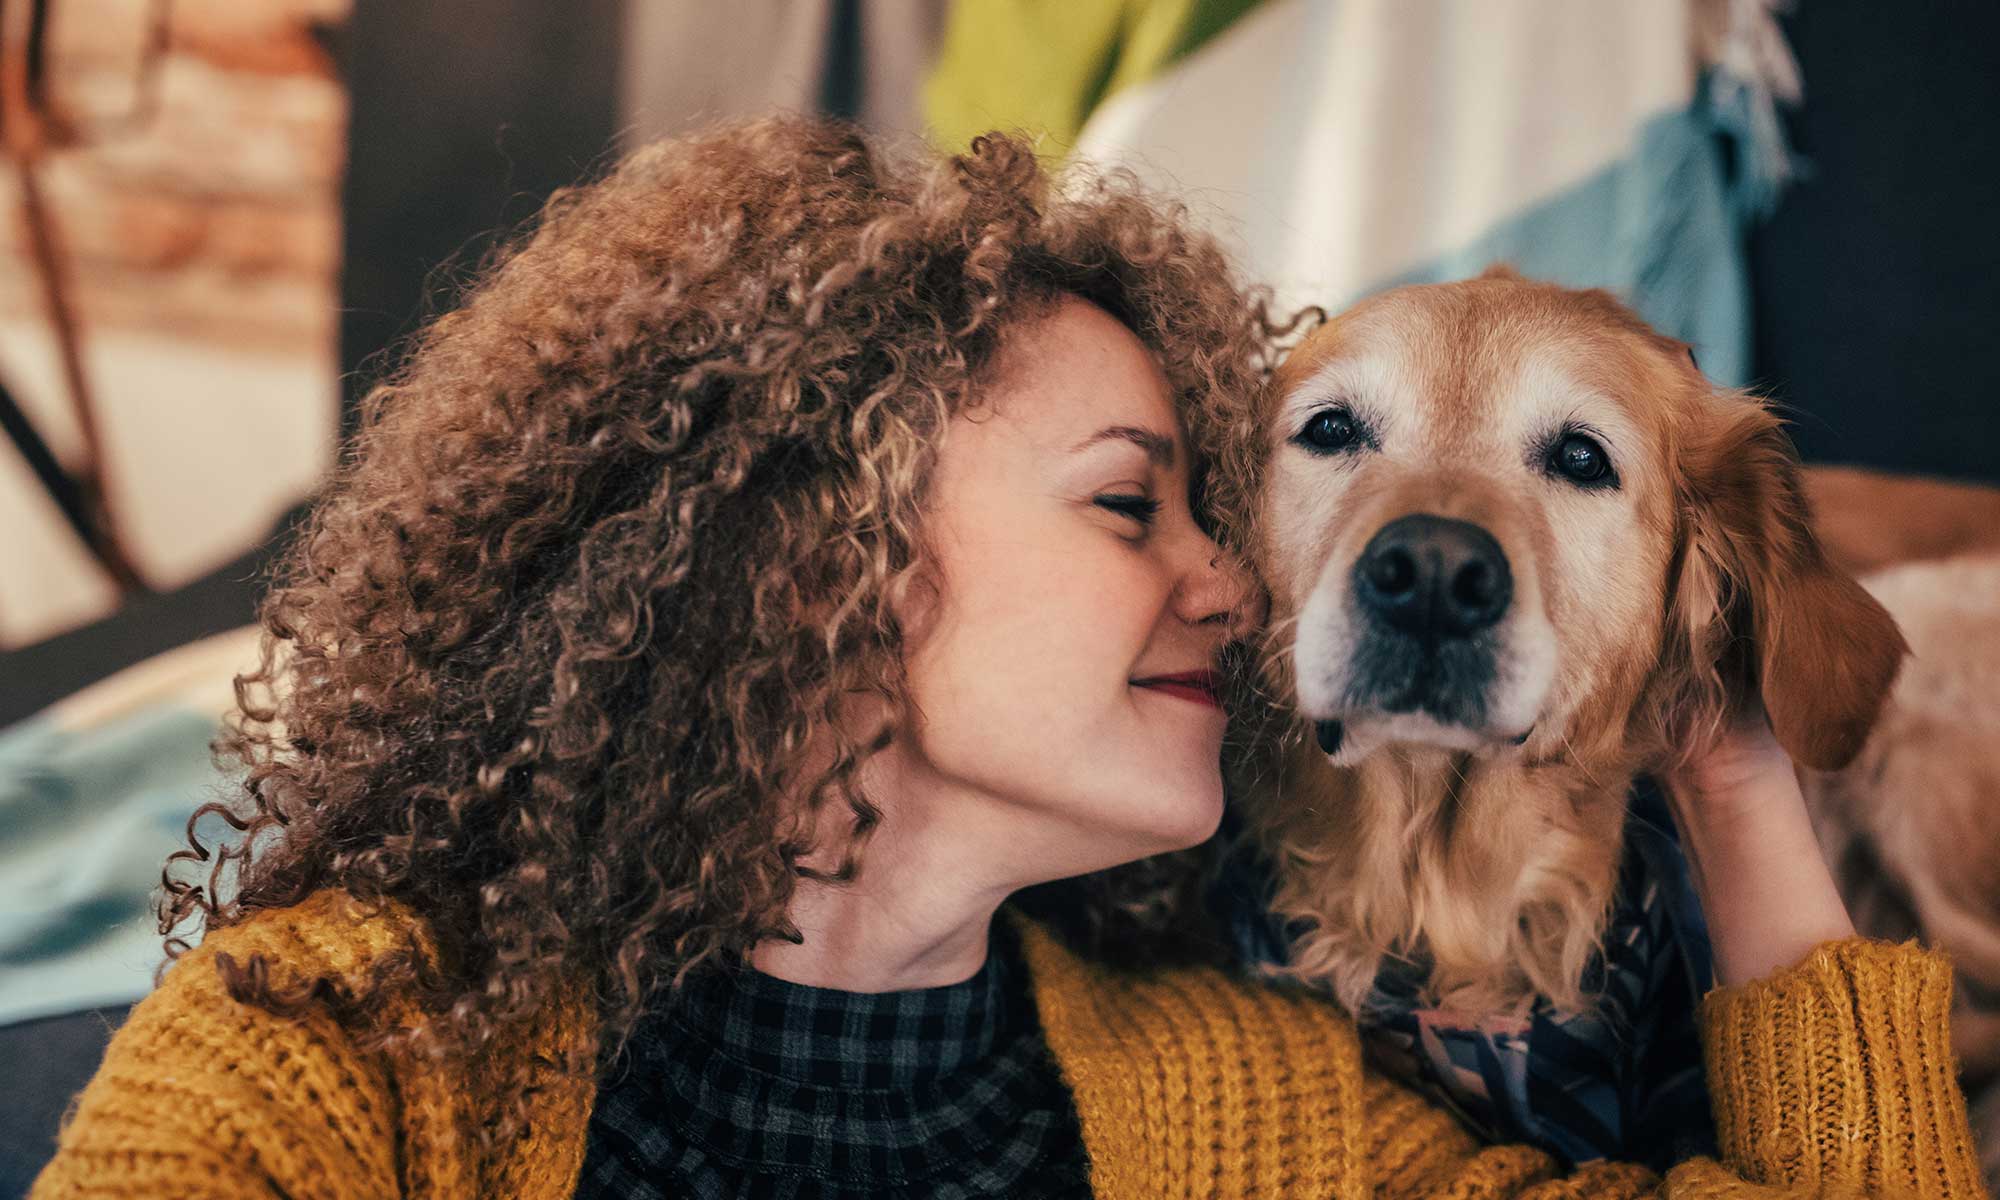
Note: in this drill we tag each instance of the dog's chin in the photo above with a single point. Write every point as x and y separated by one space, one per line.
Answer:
1353 737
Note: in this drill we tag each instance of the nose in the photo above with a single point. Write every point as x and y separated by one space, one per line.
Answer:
1217 589
1434 577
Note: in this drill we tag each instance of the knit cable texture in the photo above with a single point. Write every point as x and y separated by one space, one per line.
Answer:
1831 1078
1839 1073
203 1098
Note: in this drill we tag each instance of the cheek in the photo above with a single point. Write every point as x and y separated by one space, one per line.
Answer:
1023 690
1031 630
1302 529
1604 595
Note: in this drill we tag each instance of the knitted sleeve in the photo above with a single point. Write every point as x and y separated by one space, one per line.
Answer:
1831 1078
202 1097
1836 1077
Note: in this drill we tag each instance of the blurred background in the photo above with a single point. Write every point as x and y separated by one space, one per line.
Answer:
217 218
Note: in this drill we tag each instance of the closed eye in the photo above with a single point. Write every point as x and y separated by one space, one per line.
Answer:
1140 508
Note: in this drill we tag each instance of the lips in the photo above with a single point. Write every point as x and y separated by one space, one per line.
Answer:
1201 687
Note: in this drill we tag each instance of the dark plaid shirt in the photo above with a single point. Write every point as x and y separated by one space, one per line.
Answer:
746 1085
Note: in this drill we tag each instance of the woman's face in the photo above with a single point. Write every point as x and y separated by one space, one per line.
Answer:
1064 681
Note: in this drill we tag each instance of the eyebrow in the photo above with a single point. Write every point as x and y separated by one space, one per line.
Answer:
1158 447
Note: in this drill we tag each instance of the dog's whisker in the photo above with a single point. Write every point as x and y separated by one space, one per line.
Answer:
1576 760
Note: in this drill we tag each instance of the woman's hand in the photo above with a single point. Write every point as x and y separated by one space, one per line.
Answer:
1764 887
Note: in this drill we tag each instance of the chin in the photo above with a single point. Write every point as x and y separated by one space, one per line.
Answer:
1139 813
1194 816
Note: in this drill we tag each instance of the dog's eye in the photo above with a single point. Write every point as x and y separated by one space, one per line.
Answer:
1581 460
1328 431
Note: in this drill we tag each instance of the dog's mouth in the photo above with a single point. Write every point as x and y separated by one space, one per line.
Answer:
1420 706
1446 679
1331 734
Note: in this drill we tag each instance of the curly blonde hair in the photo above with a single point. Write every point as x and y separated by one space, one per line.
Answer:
612 545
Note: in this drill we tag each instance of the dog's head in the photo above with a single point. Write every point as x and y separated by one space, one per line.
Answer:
1502 514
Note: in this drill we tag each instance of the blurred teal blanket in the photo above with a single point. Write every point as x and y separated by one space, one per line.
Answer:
95 792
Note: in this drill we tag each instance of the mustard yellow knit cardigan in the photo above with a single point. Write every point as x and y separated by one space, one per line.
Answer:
1832 1078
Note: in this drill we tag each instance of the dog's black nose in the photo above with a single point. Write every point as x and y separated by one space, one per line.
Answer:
1434 577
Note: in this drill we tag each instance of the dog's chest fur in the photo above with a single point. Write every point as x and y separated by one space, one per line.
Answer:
1499 875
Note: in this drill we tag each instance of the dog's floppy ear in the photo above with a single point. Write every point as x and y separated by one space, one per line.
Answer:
1756 608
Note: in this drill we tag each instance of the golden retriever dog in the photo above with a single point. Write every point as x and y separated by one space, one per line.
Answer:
1519 551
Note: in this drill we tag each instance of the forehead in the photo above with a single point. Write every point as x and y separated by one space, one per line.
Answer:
1075 370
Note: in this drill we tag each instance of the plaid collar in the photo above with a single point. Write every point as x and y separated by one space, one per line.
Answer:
750 1082
820 1038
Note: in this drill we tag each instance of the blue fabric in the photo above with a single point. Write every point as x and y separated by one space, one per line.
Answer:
87 819
1663 228
1622 1081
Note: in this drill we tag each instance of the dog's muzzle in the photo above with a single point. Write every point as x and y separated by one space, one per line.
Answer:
1429 591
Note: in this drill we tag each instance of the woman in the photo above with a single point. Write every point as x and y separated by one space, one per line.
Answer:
782 560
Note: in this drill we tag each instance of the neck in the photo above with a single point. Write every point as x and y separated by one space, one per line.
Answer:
916 916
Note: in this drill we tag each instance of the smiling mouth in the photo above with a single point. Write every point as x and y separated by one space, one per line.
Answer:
1201 687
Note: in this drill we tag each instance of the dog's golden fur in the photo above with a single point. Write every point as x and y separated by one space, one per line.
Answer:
1669 606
